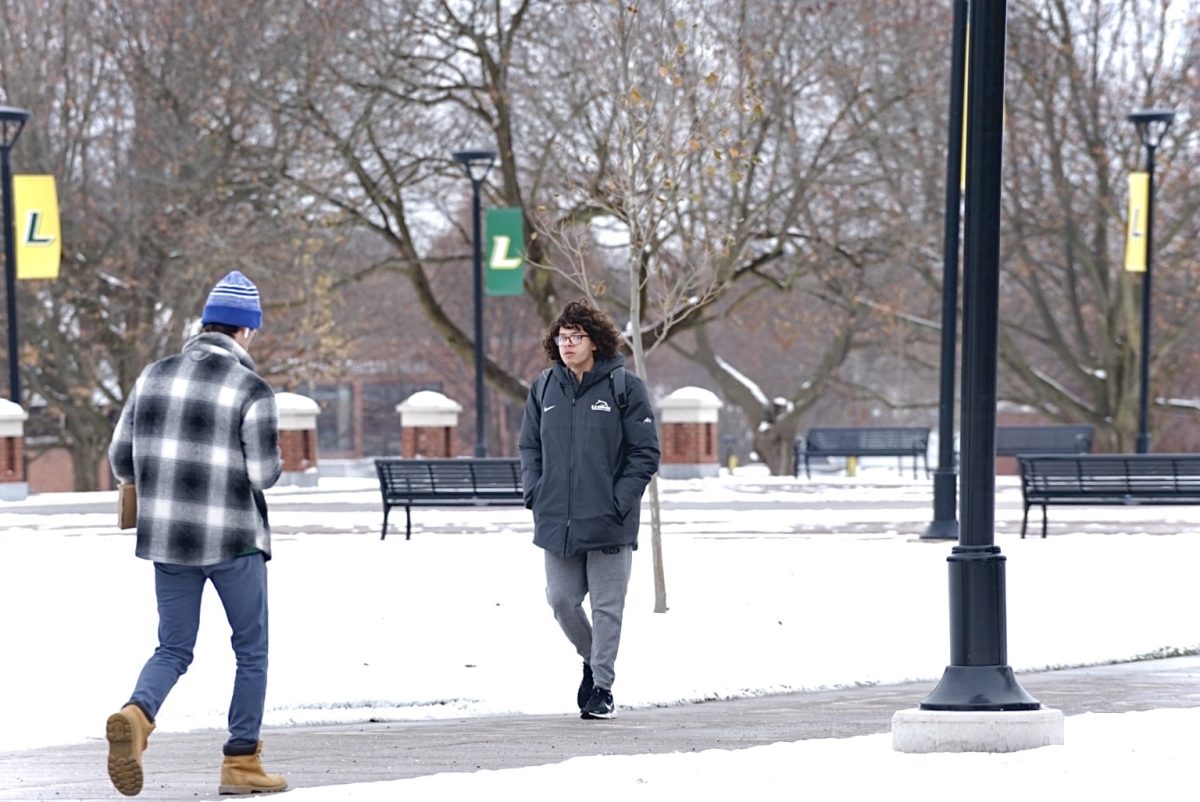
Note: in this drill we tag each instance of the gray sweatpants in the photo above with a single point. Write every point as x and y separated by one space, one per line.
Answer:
605 578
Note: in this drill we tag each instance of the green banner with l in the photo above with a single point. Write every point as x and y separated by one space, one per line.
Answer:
505 274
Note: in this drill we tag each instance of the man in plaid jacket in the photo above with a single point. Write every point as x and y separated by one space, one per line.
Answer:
199 438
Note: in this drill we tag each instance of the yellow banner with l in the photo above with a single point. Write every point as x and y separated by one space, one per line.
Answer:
35 220
1135 234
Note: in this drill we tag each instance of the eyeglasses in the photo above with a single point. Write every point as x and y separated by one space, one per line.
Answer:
573 339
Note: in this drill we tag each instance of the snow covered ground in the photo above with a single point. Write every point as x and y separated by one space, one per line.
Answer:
773 585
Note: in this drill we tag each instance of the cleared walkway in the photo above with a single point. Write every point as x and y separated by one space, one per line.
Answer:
184 766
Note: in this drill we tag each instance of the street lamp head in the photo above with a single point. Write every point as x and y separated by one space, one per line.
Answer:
11 119
1151 124
11 114
477 163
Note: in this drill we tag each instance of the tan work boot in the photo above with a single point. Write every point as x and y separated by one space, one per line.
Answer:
128 733
243 774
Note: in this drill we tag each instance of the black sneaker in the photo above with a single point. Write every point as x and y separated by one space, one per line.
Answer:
600 705
585 687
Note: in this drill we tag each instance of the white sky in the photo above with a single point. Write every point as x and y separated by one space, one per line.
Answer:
755 609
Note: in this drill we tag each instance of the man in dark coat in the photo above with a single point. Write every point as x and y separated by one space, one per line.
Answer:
588 450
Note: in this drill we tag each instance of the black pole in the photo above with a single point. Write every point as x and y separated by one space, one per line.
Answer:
10 274
477 164
945 479
978 677
477 245
1143 436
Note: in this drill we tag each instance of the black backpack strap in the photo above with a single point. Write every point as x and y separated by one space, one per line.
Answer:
617 380
539 386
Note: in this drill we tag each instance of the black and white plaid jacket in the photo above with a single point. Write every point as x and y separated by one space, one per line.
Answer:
200 434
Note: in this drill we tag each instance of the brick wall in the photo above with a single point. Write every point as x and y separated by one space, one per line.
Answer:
299 449
432 442
12 459
689 443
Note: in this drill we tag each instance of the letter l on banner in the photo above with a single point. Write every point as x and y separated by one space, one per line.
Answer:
505 252
1135 236
37 234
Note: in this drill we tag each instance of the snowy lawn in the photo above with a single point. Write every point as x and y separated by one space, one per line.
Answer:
454 623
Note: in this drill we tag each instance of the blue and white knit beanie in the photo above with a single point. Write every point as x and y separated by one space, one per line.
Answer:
233 302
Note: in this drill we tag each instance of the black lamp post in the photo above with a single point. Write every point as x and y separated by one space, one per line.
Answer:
12 120
945 479
979 677
1152 125
477 164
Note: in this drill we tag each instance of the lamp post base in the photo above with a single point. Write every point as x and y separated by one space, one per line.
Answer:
945 506
924 731
979 689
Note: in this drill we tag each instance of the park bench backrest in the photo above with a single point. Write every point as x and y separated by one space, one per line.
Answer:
864 441
1054 439
430 478
497 474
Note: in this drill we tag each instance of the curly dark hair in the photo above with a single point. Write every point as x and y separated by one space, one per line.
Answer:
582 315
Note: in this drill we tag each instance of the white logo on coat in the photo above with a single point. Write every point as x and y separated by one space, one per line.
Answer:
601 406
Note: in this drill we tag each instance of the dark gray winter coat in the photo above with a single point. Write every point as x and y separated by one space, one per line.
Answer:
584 463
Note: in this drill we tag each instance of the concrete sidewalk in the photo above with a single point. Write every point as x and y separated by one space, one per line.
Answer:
185 766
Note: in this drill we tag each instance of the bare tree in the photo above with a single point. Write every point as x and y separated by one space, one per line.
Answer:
751 142
147 115
1070 336
660 110
755 186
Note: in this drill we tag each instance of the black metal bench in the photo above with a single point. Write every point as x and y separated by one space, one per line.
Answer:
866 441
1052 439
468 481
1108 479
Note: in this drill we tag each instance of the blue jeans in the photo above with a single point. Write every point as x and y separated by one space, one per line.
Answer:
242 585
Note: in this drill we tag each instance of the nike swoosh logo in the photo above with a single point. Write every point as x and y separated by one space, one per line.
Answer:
547 409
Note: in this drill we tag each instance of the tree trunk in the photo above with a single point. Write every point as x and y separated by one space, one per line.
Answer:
774 447
639 363
660 578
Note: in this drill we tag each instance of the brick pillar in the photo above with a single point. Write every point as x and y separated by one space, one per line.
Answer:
428 425
689 434
298 439
13 485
